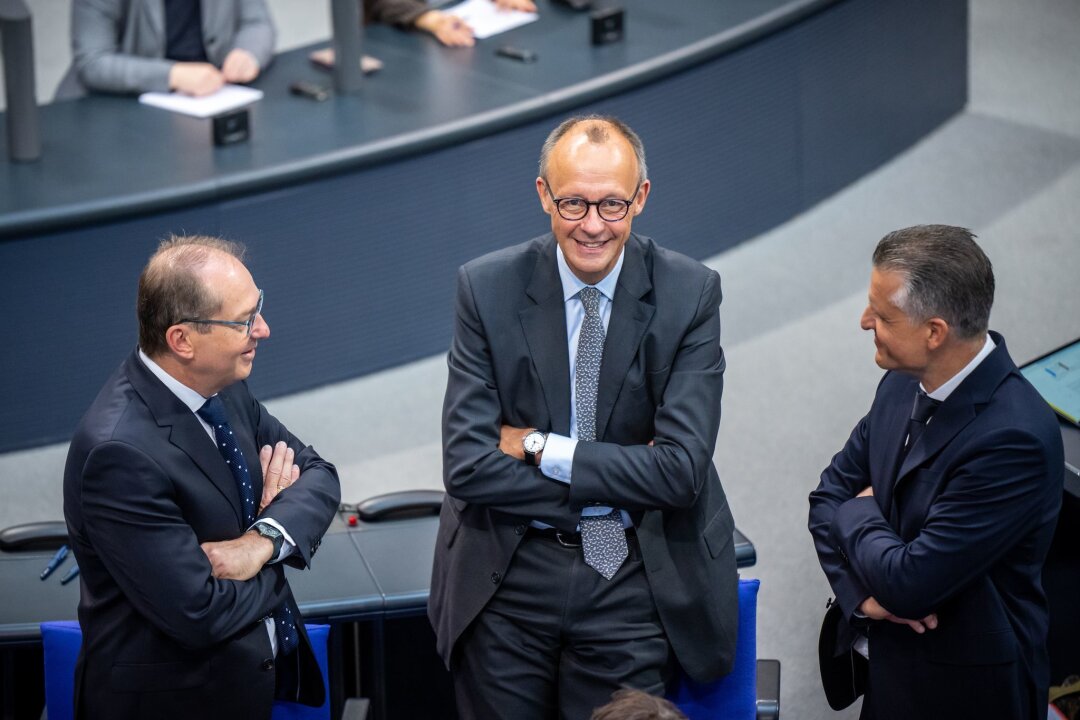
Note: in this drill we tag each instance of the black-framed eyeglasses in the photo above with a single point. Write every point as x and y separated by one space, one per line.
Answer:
576 208
247 324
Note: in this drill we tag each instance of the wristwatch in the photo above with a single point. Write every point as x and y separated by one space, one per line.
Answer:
273 534
533 445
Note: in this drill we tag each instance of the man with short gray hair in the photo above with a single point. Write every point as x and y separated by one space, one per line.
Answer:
933 522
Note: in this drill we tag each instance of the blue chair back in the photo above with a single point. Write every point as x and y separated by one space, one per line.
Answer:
734 696
62 641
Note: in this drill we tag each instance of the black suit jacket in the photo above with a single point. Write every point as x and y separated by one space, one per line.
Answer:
660 380
143 487
961 529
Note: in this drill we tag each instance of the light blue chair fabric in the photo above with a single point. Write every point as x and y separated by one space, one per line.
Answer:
62 641
734 696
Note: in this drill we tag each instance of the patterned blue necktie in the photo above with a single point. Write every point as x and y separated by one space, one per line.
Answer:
603 538
213 412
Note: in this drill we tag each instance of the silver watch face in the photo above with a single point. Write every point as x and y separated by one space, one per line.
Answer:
267 530
533 442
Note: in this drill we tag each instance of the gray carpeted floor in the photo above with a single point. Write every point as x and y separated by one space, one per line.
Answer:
800 372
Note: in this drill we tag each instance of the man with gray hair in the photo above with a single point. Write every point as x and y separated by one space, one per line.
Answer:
933 522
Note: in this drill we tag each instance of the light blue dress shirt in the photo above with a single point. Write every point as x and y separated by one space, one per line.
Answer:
558 458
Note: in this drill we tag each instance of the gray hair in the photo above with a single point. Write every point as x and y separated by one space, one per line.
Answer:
946 275
597 132
170 287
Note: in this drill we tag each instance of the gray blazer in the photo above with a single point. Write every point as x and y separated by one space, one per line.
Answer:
661 380
119 45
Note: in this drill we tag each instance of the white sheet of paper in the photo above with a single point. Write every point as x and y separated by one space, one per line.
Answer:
227 98
486 19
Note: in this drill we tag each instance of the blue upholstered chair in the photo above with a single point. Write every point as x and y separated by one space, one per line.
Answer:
63 639
752 688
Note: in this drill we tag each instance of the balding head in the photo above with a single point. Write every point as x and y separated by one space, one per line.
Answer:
172 286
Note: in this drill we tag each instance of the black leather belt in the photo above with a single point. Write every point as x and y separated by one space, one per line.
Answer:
566 539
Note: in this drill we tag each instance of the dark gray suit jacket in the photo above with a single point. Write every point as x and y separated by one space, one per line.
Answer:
143 487
660 380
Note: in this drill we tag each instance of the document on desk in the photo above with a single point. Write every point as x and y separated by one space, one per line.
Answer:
486 19
229 97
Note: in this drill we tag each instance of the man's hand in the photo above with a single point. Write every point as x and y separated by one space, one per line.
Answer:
240 66
525 5
448 29
239 559
195 78
872 609
276 478
867 491
510 439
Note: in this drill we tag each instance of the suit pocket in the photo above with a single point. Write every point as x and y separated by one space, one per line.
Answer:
450 520
159 677
719 532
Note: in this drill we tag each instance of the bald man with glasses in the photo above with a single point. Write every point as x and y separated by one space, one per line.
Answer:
184 499
585 543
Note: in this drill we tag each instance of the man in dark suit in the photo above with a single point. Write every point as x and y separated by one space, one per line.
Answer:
180 534
933 522
585 542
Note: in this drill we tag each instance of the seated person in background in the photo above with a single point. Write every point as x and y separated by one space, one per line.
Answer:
192 47
447 29
628 704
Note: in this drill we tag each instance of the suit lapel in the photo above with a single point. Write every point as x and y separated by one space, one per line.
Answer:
629 318
892 444
185 431
545 333
153 22
960 408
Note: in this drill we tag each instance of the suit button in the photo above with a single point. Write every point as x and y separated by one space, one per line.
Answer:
496 577
268 664
519 529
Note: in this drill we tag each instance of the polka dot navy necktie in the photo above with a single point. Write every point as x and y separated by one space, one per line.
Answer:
213 412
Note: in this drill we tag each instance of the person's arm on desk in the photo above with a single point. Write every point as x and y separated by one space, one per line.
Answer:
522 5
448 29
195 78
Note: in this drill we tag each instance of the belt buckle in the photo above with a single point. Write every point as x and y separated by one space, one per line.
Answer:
566 543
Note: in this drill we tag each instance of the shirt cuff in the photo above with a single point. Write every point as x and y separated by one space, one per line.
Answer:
557 462
287 546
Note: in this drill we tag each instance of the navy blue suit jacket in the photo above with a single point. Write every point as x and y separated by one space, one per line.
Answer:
143 487
961 529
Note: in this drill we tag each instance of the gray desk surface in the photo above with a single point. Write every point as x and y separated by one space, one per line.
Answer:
369 571
106 156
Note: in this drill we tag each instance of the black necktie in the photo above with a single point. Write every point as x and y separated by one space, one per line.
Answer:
924 408
213 412
603 540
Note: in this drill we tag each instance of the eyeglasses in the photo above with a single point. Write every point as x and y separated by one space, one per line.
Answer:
576 208
248 324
